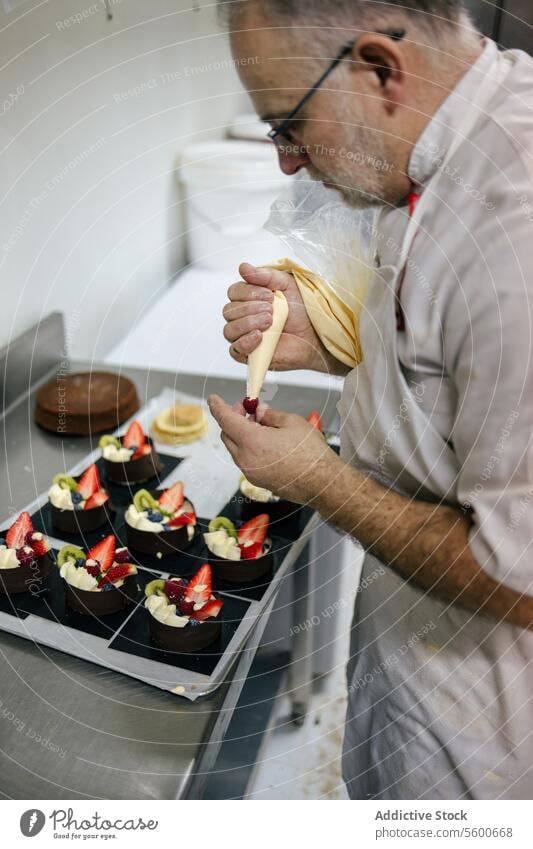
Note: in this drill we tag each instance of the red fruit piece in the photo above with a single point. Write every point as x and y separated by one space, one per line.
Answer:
16 535
182 519
144 449
175 590
251 552
186 608
122 555
92 570
212 608
96 500
314 419
251 405
39 546
255 530
200 585
134 436
118 573
104 552
172 499
89 482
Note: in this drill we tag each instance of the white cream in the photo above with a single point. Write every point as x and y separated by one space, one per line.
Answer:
259 360
221 544
78 577
257 493
165 612
8 558
61 497
117 455
139 519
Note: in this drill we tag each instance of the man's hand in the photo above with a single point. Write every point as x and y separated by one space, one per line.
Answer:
282 453
249 312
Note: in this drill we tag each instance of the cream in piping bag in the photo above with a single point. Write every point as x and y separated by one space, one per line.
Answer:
259 360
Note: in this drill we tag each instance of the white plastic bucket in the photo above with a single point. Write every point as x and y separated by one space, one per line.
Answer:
229 188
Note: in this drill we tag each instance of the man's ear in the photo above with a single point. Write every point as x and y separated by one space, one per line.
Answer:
384 61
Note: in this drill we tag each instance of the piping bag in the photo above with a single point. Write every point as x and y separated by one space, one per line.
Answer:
259 360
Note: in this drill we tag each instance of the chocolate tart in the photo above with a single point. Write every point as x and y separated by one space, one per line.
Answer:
134 471
277 510
81 521
84 403
164 542
241 571
25 579
102 603
187 639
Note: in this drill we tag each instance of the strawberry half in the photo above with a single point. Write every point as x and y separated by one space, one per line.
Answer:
104 552
314 419
134 436
251 552
255 530
212 608
172 499
182 519
16 535
96 499
118 573
200 585
89 482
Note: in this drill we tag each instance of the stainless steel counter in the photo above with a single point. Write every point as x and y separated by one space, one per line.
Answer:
69 729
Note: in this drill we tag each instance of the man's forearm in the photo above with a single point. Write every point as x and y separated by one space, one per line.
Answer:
425 543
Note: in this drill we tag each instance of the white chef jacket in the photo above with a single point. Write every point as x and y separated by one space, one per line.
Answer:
440 699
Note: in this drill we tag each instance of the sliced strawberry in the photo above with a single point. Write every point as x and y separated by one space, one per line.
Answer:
134 436
118 573
96 500
255 530
182 519
315 420
200 585
104 552
37 543
142 451
172 499
175 590
16 535
251 552
212 608
89 482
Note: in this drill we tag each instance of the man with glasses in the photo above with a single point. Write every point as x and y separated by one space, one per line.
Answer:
435 477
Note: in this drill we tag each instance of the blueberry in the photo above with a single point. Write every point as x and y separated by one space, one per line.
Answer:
133 448
107 587
2 541
79 562
155 516
76 497
194 622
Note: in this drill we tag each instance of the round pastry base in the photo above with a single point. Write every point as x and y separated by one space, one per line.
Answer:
241 571
277 510
188 639
26 579
81 521
102 603
134 471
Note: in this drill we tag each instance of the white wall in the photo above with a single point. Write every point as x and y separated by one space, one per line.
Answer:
93 116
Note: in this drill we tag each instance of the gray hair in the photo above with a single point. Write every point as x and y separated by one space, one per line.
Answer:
436 18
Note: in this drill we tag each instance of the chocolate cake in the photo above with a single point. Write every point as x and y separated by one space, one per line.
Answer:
85 403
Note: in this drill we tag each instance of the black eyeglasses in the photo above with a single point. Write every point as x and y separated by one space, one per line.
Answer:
282 135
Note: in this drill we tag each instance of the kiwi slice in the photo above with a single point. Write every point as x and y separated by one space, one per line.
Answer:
70 552
155 587
220 522
65 482
142 500
107 439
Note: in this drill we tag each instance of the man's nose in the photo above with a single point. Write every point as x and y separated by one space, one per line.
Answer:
291 163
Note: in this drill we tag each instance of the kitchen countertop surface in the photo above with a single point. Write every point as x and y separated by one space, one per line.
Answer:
70 729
